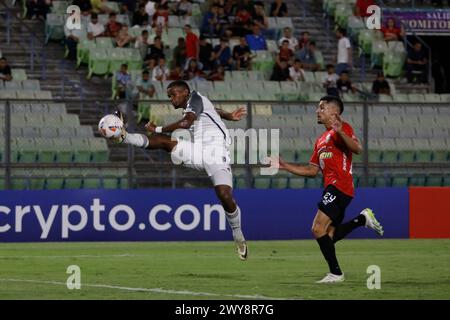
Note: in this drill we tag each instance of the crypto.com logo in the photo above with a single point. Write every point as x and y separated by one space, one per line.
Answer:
373 22
73 21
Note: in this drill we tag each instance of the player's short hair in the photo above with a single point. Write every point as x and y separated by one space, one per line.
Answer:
179 84
334 99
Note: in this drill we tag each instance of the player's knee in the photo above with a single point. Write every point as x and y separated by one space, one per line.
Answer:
318 230
226 197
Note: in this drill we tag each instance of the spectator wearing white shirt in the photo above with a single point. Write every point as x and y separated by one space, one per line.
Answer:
344 53
330 81
142 43
296 72
287 35
161 71
72 39
95 29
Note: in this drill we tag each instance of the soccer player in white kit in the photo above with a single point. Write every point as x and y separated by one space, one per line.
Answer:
208 150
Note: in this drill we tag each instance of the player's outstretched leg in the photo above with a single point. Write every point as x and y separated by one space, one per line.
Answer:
365 218
233 214
155 141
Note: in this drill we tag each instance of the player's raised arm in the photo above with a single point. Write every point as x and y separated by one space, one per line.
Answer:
351 142
236 115
308 170
184 123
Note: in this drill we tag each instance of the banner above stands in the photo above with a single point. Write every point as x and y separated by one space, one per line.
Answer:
421 22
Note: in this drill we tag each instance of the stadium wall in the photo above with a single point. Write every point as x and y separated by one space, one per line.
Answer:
186 215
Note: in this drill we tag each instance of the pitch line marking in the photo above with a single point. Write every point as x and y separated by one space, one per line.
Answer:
154 290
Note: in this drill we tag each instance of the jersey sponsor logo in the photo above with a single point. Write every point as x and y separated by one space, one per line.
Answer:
328 198
326 155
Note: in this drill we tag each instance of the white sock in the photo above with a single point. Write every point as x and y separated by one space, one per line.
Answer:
234 220
136 139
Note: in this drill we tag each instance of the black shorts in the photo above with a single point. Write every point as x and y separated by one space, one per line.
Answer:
334 203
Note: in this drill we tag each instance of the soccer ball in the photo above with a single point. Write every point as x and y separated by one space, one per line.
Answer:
110 126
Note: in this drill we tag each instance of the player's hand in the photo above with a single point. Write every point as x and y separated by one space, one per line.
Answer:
238 114
336 125
150 127
277 162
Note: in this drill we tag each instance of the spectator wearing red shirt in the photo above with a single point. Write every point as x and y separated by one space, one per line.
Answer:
161 16
361 7
112 27
391 32
285 52
192 43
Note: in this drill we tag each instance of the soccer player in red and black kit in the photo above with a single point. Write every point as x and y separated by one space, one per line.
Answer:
333 156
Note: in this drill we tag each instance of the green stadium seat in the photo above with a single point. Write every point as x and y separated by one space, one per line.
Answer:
400 181
63 150
18 74
434 181
99 149
27 150
296 182
314 183
54 27
83 50
279 182
81 149
417 180
72 178
98 62
91 178
45 150
262 182
19 179
37 179
54 178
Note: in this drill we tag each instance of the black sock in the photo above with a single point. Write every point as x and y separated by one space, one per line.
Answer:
343 230
327 247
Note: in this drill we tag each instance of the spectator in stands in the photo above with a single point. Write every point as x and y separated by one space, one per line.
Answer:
262 21
330 81
391 32
296 72
224 22
161 71
38 8
144 86
150 9
256 41
361 7
149 64
183 8
176 74
307 57
140 17
242 22
179 54
5 70
205 54
222 54
278 9
218 74
380 85
72 39
156 50
193 71
242 55
84 5
280 71
344 85
161 17
344 53
210 25
99 6
192 43
142 43
304 40
287 35
285 52
416 64
95 29
123 38
113 26
123 81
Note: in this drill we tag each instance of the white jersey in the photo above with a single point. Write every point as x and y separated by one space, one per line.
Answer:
209 127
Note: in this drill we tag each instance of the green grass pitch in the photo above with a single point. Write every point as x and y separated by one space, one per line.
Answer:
410 269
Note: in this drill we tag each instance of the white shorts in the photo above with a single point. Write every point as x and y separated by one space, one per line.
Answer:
212 158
